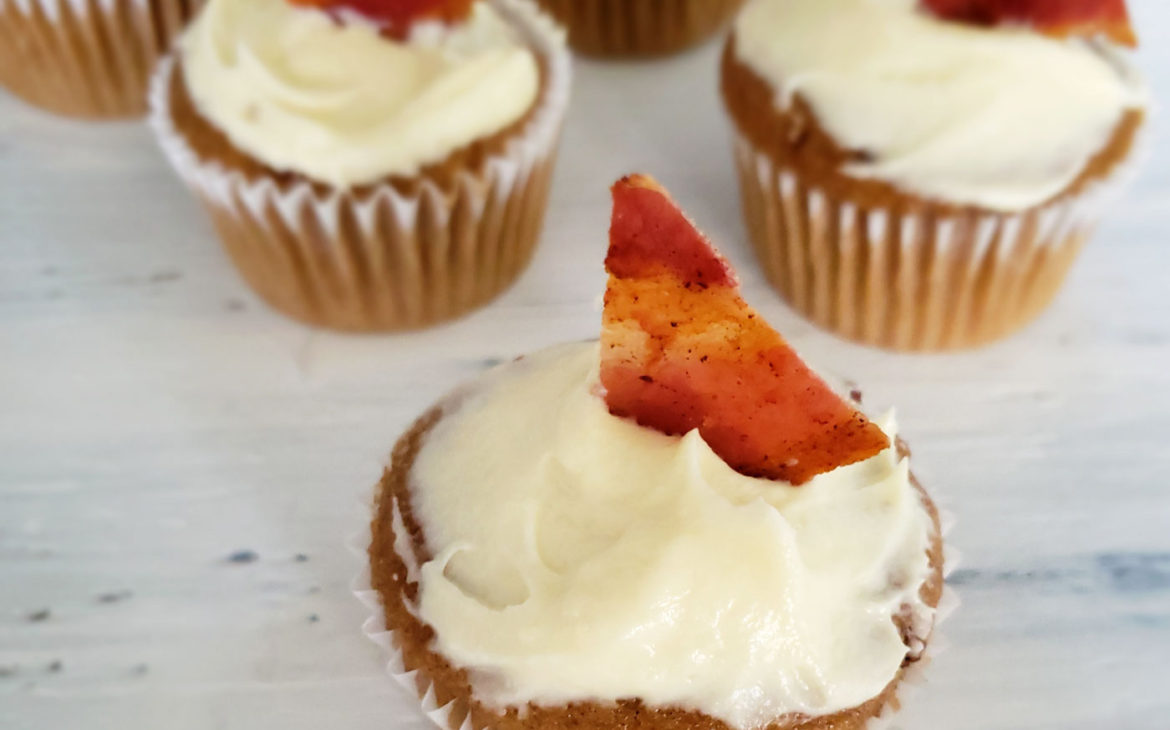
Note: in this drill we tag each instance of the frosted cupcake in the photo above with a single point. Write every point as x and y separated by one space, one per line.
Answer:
369 168
640 27
681 526
86 58
922 175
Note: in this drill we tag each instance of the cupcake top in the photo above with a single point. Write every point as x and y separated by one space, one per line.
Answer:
339 97
597 534
580 556
999 116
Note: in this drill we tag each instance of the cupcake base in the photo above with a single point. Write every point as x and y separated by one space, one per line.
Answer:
912 280
398 547
632 28
351 265
90 59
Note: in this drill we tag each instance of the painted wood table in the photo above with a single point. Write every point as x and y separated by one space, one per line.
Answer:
180 468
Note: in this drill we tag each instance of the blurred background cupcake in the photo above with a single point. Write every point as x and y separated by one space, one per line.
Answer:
86 58
640 27
921 175
369 168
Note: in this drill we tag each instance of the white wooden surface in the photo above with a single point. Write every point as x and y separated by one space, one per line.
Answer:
155 418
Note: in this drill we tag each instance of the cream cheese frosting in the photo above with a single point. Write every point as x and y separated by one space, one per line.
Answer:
344 104
1003 118
578 556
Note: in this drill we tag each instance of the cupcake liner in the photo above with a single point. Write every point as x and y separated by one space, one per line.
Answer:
914 678
87 58
912 279
386 259
446 716
639 27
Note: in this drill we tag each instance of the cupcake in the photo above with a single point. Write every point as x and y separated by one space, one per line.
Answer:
679 526
368 166
640 27
921 176
86 59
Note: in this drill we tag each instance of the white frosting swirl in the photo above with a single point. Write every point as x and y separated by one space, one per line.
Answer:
1004 118
579 556
342 103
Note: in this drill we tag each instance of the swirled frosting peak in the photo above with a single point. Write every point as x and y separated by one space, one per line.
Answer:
335 99
999 117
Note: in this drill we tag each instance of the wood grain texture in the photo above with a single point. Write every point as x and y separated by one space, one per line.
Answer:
156 418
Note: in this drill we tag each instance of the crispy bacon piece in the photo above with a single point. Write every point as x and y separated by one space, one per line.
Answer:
680 350
397 16
1061 18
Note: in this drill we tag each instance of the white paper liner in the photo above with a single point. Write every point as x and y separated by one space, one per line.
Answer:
56 9
914 280
387 259
645 28
374 627
87 58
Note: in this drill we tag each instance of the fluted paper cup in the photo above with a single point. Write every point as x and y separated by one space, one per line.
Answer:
917 279
453 714
386 259
87 58
639 27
